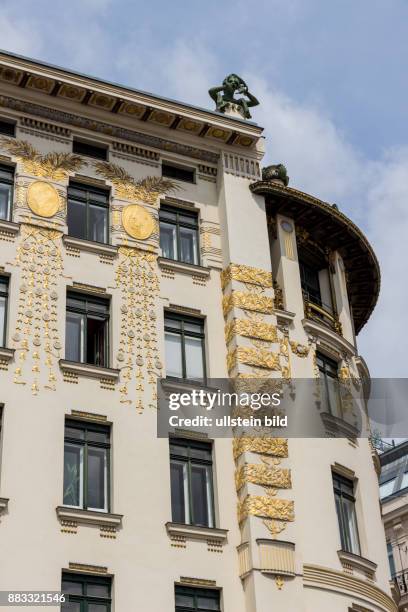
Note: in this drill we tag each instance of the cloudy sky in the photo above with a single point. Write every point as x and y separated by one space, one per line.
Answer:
331 78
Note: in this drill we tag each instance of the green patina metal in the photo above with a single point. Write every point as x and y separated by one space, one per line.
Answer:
224 95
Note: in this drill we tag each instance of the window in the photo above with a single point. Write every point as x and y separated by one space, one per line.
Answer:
190 599
86 593
6 191
346 513
3 309
86 465
90 149
387 488
309 279
329 385
87 327
88 213
179 234
184 344
178 172
191 482
7 127
391 561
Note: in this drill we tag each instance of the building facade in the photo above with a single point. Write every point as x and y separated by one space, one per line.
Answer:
394 502
140 240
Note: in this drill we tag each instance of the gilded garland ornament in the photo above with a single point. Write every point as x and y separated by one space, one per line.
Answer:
43 199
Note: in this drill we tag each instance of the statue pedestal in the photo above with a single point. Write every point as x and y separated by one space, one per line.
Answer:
234 110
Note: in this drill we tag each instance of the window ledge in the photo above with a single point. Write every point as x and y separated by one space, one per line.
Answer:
70 518
180 532
338 427
361 564
6 354
183 268
86 369
330 336
284 315
3 504
92 247
9 227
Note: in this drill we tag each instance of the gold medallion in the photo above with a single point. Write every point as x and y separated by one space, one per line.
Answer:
137 222
43 199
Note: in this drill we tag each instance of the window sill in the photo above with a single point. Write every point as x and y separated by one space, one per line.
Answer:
284 316
335 340
183 268
91 247
6 355
355 562
179 533
338 428
70 518
9 228
89 370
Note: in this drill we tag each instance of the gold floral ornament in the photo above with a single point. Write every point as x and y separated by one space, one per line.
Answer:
43 199
56 166
146 190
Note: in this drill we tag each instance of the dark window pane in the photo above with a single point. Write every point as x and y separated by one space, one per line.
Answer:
76 219
200 493
71 606
98 607
181 174
201 453
173 323
3 310
7 127
184 601
75 337
174 365
98 223
91 150
95 341
73 432
98 436
98 590
72 587
207 603
73 474
5 200
179 492
97 478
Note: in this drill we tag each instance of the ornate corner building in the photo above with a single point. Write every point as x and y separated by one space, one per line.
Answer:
139 240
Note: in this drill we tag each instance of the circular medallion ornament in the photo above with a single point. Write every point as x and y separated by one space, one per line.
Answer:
287 227
137 222
43 199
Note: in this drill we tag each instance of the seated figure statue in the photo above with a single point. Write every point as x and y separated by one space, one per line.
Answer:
224 95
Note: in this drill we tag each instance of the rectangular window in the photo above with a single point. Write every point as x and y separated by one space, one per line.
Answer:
346 513
179 234
184 346
391 561
86 593
3 309
309 278
189 599
7 127
191 482
88 213
87 329
90 149
86 465
329 385
6 191
178 172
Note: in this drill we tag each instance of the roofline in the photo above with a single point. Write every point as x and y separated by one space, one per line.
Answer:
69 71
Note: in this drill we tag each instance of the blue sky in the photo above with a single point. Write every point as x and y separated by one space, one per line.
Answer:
331 78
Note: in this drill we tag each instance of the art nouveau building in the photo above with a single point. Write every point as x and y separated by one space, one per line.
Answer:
109 281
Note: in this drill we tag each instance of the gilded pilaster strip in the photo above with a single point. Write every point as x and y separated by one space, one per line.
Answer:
265 507
247 275
263 475
253 357
251 329
247 301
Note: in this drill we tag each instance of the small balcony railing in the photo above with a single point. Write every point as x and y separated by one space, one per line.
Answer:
401 582
322 313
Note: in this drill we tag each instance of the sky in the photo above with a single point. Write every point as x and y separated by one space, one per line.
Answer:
331 79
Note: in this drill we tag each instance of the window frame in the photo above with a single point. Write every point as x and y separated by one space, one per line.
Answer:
85 427
88 201
6 121
195 592
183 318
188 444
340 483
6 295
85 580
327 361
8 181
86 311
194 225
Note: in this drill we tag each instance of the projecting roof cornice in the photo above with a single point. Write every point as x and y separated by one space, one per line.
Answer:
322 224
78 90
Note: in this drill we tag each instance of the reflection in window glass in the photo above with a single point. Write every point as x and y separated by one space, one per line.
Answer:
179 234
184 347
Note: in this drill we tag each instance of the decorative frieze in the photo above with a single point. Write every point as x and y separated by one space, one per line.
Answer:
253 357
263 475
274 447
247 301
250 329
265 507
247 275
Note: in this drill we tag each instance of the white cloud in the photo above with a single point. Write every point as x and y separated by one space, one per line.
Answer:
18 35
